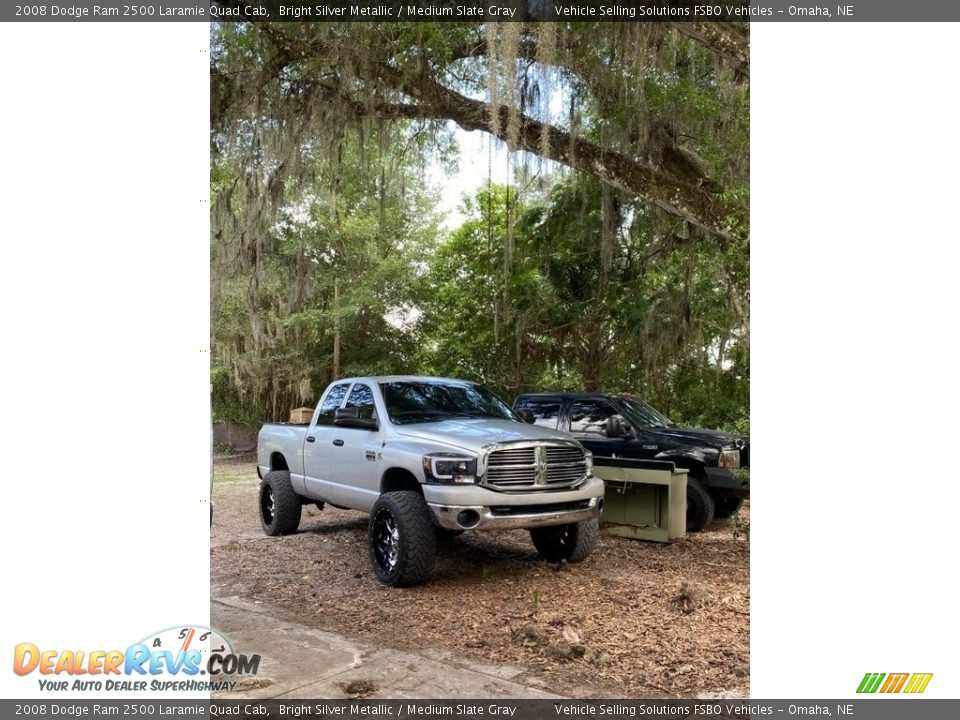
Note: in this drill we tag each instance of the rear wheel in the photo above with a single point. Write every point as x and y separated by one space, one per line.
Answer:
573 542
402 540
726 507
700 506
279 504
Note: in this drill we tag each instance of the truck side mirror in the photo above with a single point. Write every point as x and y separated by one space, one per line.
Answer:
526 415
618 428
350 417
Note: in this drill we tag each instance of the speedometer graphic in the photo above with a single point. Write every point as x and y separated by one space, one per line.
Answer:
198 643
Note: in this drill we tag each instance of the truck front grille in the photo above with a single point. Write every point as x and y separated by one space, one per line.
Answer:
541 467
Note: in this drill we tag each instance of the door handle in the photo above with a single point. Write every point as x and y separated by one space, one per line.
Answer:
310 438
338 443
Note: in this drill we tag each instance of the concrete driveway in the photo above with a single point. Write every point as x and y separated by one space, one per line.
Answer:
303 662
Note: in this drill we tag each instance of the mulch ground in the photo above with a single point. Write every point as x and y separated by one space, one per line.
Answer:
636 619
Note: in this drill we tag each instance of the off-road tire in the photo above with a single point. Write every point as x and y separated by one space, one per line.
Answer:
572 542
726 507
282 515
408 557
700 506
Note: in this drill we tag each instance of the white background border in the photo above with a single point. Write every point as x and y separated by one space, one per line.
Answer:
105 299
855 392
855 395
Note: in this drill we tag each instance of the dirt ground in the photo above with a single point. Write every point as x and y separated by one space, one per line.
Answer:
636 619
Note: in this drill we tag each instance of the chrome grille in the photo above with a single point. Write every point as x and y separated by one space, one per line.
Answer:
565 465
513 456
517 468
564 454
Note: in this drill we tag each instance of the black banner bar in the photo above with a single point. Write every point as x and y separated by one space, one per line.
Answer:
878 708
478 11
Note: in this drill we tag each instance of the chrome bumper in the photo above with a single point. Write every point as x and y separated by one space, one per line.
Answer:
480 517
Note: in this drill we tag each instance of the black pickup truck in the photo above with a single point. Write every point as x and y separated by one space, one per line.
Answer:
621 426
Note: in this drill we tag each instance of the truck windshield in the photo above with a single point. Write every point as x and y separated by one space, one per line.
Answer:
642 415
417 402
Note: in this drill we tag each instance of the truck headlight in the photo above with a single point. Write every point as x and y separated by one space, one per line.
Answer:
588 461
729 459
450 468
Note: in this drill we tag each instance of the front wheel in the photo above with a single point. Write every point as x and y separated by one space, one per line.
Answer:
573 542
279 504
402 540
700 507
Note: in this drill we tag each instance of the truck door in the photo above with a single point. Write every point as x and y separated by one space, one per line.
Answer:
318 448
355 468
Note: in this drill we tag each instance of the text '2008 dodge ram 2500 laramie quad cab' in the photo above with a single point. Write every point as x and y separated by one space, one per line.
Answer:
622 426
428 456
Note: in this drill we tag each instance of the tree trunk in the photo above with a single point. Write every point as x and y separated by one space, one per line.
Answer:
336 328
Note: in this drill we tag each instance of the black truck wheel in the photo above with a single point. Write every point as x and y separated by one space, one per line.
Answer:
402 539
700 506
573 542
279 505
726 507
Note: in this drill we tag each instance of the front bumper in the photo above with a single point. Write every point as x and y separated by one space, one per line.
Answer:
486 509
726 483
478 517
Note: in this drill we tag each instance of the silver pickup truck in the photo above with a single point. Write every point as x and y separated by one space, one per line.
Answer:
428 457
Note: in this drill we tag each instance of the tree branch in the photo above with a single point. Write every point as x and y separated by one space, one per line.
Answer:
683 200
692 203
729 40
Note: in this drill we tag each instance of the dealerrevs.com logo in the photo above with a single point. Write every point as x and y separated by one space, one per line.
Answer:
910 683
182 658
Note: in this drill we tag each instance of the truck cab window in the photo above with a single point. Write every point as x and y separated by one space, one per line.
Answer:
361 397
589 417
413 401
545 412
331 402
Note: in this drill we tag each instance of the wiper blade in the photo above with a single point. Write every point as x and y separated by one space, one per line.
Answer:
412 416
422 413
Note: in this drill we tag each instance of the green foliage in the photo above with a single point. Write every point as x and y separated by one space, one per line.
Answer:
741 528
332 264
325 234
661 322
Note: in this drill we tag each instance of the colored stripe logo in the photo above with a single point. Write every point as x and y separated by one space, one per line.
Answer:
894 683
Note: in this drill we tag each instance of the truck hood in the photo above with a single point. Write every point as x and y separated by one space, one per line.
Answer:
696 436
474 433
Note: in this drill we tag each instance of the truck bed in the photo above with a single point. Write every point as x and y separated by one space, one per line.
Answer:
287 440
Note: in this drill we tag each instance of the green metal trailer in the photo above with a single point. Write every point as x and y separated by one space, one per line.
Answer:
644 499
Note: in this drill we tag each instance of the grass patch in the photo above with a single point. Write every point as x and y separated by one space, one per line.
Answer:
233 474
